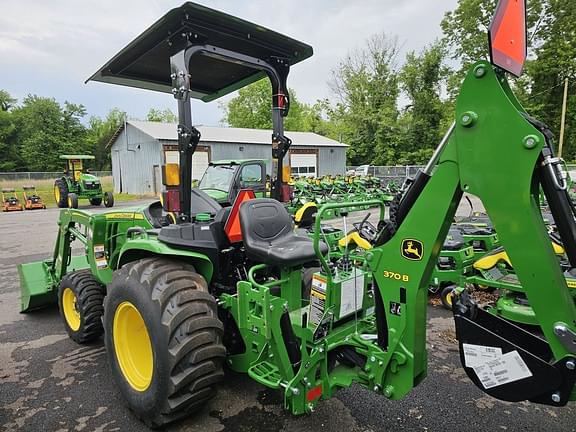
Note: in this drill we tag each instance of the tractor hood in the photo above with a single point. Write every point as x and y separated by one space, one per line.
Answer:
217 195
89 178
145 62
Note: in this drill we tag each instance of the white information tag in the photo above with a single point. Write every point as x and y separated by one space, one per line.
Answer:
508 368
352 294
477 354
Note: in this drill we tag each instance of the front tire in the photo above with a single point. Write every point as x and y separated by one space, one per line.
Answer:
447 295
108 199
96 201
163 339
72 200
80 300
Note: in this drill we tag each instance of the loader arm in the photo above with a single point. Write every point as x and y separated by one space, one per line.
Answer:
495 153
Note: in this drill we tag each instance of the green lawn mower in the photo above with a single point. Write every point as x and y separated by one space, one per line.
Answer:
77 183
178 300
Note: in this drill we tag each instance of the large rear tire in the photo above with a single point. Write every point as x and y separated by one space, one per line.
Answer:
163 339
61 193
80 299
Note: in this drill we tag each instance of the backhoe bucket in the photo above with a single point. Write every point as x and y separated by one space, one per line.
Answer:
508 362
37 286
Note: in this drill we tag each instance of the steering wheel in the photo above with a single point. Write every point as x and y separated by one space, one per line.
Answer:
366 230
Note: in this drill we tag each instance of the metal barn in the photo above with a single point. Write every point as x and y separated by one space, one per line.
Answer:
140 148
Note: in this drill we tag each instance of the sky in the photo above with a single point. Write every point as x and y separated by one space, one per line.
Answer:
50 48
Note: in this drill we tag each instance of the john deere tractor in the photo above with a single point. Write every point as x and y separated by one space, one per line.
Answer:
77 183
180 298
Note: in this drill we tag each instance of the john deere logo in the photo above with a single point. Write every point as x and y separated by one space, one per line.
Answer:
412 249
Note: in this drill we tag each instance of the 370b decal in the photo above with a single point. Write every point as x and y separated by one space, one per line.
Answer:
396 276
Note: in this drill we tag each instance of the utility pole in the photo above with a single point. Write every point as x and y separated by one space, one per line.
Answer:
563 118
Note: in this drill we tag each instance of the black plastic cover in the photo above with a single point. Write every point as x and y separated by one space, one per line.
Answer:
145 62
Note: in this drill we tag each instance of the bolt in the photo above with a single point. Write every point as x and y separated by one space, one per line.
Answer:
174 91
321 349
571 365
530 141
559 330
388 391
271 307
376 388
479 71
468 118
295 391
372 359
380 363
173 75
310 407
556 397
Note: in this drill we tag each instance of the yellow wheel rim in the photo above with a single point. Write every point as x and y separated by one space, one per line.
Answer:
57 194
70 308
69 202
132 346
449 298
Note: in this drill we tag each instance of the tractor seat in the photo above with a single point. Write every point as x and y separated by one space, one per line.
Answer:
454 240
155 215
471 229
492 258
269 237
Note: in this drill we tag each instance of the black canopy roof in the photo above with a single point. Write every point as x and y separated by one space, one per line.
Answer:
145 62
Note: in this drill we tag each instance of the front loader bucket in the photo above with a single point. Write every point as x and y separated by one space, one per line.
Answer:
37 286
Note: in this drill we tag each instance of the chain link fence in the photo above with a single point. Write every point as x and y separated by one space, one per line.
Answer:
42 180
390 174
32 176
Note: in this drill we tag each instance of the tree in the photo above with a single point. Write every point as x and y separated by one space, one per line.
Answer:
252 109
162 116
556 61
10 159
46 130
6 101
100 133
367 89
423 121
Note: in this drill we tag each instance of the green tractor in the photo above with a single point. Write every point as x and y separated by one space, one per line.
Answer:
77 183
179 299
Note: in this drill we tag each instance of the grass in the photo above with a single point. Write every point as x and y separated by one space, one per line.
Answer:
44 188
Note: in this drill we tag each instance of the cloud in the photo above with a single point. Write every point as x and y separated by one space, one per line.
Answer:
50 48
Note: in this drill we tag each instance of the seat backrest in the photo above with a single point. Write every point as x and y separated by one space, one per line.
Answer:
264 220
